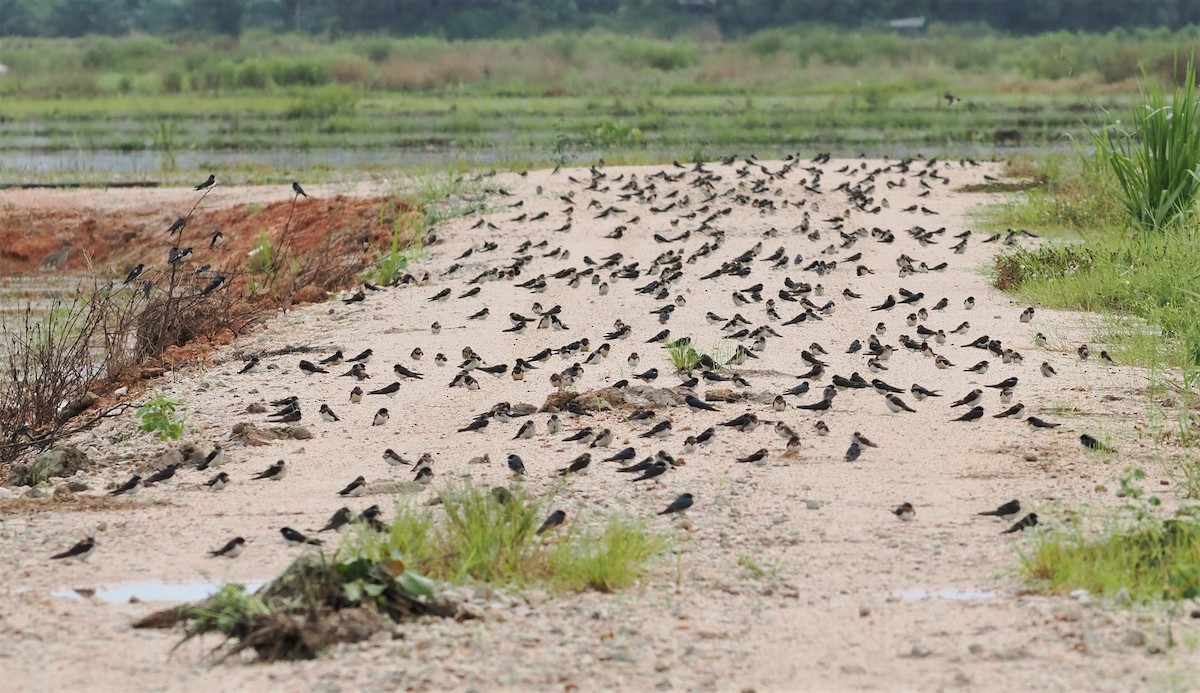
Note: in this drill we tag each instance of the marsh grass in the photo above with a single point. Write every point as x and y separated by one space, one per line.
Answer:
1155 560
480 536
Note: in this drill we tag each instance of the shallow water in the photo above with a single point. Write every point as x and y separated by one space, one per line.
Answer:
153 591
917 594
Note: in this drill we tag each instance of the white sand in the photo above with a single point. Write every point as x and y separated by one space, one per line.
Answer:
830 612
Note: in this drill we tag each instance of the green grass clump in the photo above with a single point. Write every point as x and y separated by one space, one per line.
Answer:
684 357
1157 163
1158 560
160 416
491 537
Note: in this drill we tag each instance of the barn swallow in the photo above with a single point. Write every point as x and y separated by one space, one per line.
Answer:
403 372
217 239
177 226
655 470
662 429
905 512
553 425
327 414
969 303
647 376
207 183
395 459
275 472
862 440
758 457
897 405
308 368
251 364
1083 352
363 358
163 475
175 255
128 488
390 390
1027 314
852 452
578 466
821 428
603 439
80 551
1092 444
1029 520
696 404
356 395
299 191
134 273
1006 384
355 488
681 503
745 423
1006 396
358 372
1104 355
526 431
1005 511
440 296
555 519
381 417
1015 411
1047 369
972 415
979 368
358 297
622 456
921 393
516 465
973 397
339 519
231 549
1039 423
218 482
291 536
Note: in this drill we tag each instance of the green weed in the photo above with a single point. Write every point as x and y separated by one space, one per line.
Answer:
160 415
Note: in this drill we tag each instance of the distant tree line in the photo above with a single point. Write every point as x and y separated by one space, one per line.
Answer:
457 19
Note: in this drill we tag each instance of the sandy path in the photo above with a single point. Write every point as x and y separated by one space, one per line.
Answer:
837 605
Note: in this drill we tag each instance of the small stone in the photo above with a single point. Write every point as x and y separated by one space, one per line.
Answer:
77 486
1069 612
1030 457
1134 638
1079 595
975 648
1123 597
256 408
299 432
621 656
864 611
35 492
812 504
920 649
852 669
535 597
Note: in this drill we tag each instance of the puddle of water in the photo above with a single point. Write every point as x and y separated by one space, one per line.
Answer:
952 595
153 591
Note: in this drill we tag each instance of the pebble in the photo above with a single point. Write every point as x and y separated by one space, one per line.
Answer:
812 504
920 649
1134 638
852 669
535 597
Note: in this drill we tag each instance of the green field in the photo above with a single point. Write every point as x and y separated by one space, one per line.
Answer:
140 106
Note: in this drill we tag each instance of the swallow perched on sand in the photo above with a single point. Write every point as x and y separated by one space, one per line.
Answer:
696 404
363 358
1015 411
79 551
971 399
231 549
905 512
853 452
653 471
274 473
1083 352
1092 444
516 465
308 368
128 488
973 414
389 390
327 414
662 429
578 466
218 482
358 372
526 431
979 368
1006 384
1040 423
757 457
1027 314
405 373
1048 370
291 536
555 519
251 365
1029 520
381 417
355 488
394 458
681 503
1005 511
622 456
207 183
161 476
339 519
896 405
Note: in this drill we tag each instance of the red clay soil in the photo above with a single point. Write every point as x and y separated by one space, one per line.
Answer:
39 239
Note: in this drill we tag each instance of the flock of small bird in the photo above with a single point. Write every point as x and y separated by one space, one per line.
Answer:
685 210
